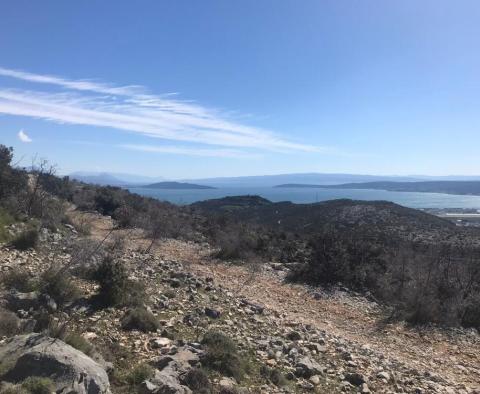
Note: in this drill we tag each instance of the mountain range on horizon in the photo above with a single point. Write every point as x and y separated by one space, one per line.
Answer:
113 178
123 179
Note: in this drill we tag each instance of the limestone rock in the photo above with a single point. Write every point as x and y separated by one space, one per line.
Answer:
40 355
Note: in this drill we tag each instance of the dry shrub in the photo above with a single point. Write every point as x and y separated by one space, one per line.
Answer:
27 239
139 319
9 323
115 286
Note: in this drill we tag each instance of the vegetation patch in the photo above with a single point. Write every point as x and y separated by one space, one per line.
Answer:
221 354
18 279
38 385
115 287
197 380
27 239
5 220
80 343
9 323
58 284
139 319
274 375
140 373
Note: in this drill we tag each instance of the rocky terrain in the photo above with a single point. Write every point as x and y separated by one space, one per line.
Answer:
291 338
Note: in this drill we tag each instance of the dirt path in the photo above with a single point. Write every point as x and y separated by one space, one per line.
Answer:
454 356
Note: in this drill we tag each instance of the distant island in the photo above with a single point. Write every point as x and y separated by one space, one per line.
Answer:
446 187
177 186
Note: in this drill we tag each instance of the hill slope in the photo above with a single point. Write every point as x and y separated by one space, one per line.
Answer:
365 217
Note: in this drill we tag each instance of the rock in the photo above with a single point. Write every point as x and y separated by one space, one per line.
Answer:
306 386
213 313
355 378
170 369
160 342
147 387
180 362
364 389
256 308
49 303
315 379
226 382
25 301
40 355
163 383
383 375
307 367
294 336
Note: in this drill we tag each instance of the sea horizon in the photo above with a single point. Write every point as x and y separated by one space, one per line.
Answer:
417 200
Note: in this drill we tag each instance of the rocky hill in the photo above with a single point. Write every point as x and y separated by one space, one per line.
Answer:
366 217
275 337
106 291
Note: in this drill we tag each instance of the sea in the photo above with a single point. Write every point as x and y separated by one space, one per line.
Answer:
305 195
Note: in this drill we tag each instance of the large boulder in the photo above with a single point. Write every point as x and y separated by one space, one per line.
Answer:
39 355
163 383
308 367
170 370
25 301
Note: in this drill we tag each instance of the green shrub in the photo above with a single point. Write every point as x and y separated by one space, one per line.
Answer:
471 316
221 354
197 380
82 225
80 343
38 385
273 375
9 323
169 293
14 390
238 242
18 279
27 239
115 287
139 319
229 390
5 220
138 374
58 284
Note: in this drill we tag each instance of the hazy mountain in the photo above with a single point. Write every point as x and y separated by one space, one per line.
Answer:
447 187
176 186
311 178
114 178
121 179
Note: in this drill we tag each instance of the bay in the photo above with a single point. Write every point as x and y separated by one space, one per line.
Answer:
301 195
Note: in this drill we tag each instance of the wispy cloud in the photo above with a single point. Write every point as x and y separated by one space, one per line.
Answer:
132 109
22 136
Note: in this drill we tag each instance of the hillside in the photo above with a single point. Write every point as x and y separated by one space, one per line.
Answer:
293 339
365 217
121 293
447 187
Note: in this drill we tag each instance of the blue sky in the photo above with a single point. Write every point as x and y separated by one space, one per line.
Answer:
187 89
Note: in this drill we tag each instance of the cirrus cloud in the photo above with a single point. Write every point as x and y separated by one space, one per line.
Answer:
131 109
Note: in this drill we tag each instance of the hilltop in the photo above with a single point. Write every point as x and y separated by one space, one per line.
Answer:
366 217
